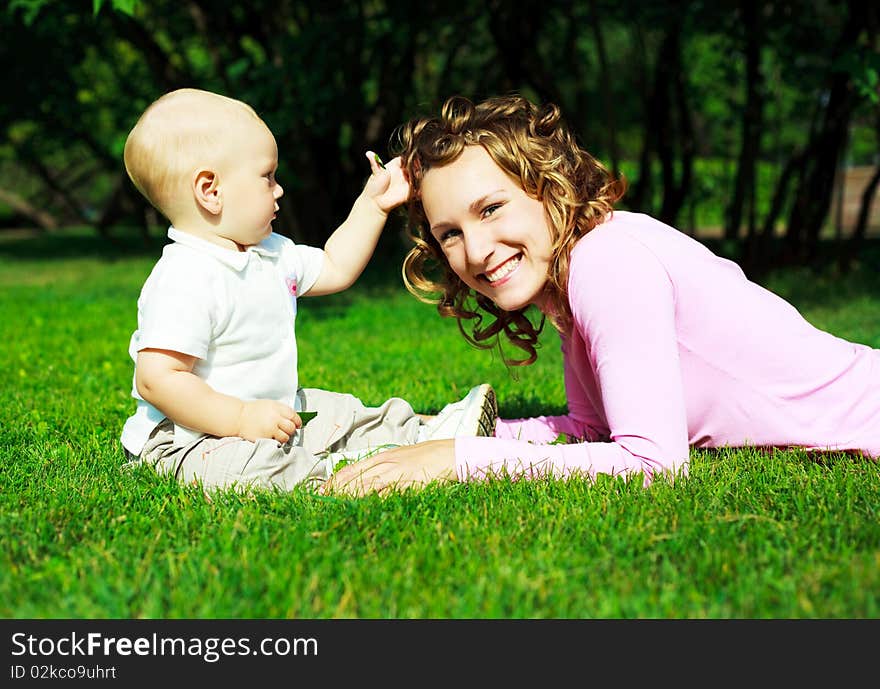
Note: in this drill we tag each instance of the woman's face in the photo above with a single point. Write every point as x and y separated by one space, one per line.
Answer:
495 237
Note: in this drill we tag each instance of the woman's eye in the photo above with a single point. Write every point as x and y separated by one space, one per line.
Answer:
449 235
489 210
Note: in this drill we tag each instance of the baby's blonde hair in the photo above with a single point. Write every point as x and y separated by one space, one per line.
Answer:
177 133
534 145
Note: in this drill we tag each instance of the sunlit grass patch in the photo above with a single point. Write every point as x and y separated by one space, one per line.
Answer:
749 533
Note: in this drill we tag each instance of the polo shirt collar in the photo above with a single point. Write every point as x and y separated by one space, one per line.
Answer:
234 259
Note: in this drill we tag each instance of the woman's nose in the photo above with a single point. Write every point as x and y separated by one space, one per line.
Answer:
477 246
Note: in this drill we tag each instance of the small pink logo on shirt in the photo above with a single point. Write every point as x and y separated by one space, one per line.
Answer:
291 285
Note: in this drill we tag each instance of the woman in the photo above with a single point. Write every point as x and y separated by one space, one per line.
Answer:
666 345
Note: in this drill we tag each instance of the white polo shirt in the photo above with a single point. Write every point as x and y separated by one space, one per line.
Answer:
233 311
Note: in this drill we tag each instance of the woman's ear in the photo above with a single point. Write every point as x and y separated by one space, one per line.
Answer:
206 189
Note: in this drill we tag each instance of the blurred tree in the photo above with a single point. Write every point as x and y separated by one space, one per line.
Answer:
52 129
863 63
657 88
752 13
819 164
668 121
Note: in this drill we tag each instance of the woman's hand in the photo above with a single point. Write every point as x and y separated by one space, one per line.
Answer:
402 467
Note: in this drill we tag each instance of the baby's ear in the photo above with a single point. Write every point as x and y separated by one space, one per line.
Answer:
206 190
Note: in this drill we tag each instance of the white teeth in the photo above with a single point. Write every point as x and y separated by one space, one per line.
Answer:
506 269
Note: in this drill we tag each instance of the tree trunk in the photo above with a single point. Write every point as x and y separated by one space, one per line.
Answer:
515 30
641 191
63 193
41 218
678 128
854 246
605 87
126 201
757 254
750 143
813 200
861 228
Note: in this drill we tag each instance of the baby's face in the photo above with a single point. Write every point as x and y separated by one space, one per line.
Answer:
248 186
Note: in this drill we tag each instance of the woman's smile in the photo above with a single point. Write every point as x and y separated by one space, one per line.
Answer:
498 276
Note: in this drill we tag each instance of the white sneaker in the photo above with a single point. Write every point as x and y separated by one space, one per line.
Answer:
473 415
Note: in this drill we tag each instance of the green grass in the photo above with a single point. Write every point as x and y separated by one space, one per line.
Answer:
748 534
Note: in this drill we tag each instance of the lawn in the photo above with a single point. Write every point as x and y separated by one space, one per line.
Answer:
748 534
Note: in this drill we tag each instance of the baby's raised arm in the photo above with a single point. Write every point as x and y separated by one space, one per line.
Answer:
349 248
166 380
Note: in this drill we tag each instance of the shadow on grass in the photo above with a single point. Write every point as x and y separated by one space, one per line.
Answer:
381 276
79 242
820 284
519 406
382 272
827 287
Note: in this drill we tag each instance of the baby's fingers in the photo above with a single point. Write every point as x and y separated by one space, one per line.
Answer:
376 164
284 430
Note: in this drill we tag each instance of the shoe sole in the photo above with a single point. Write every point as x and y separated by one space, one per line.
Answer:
482 422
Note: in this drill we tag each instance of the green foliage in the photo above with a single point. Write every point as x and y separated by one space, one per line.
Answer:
863 66
748 534
124 6
335 79
29 9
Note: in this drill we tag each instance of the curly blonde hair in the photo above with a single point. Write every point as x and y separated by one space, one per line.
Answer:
533 145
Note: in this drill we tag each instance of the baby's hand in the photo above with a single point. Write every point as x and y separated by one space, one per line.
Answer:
267 419
387 185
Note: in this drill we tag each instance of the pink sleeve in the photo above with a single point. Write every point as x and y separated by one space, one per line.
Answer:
624 306
580 422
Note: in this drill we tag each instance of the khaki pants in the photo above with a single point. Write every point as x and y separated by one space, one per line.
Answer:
343 424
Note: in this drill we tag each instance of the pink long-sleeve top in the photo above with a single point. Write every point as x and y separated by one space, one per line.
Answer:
671 347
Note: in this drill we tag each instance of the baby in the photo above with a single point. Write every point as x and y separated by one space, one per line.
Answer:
215 350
